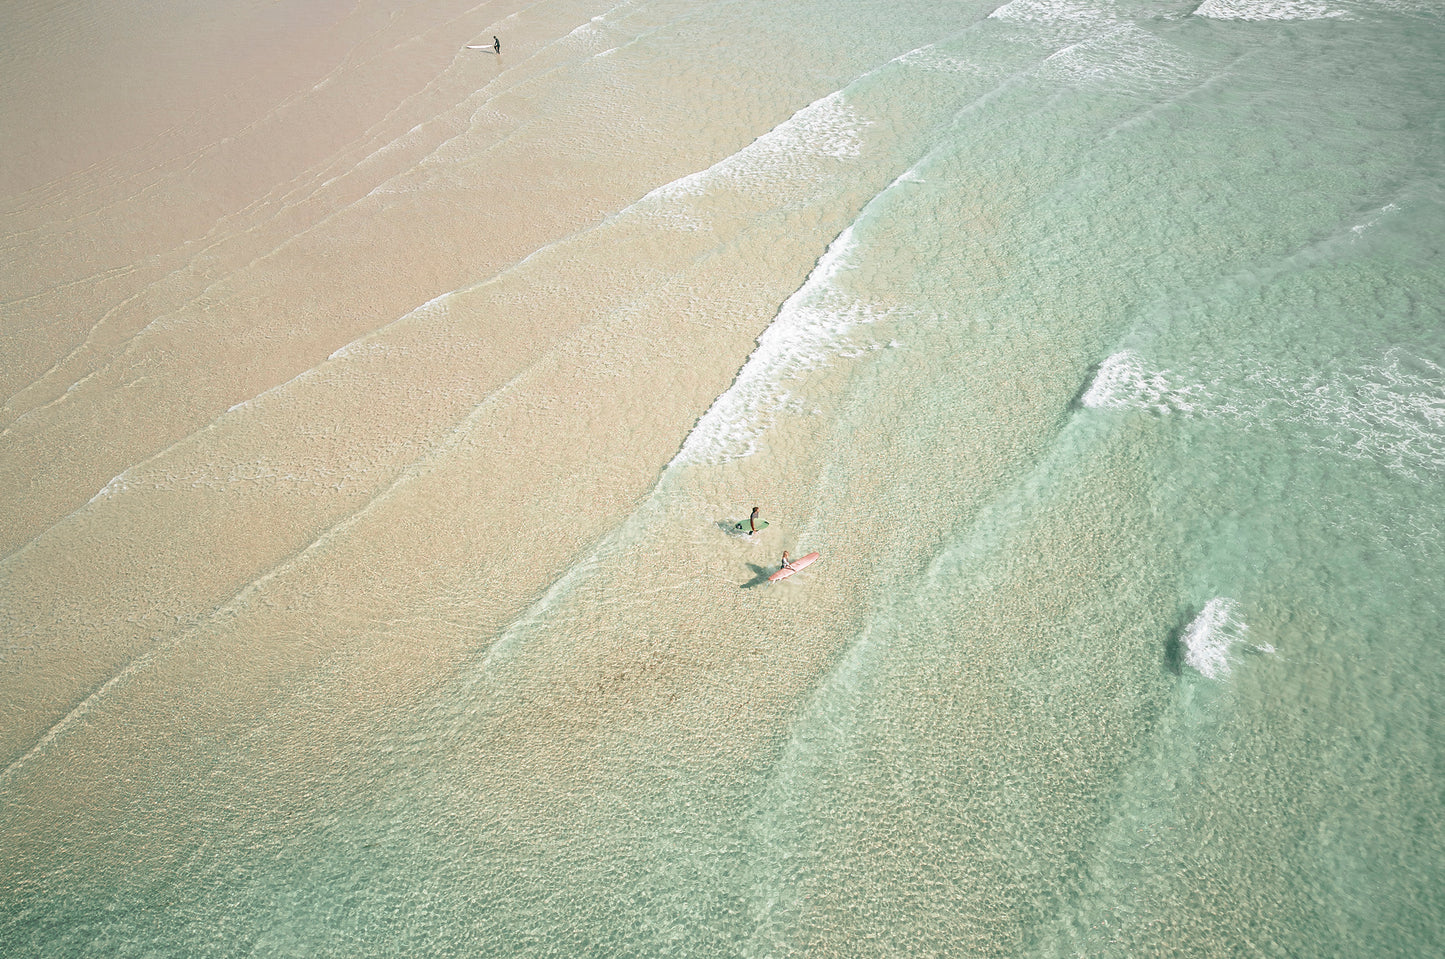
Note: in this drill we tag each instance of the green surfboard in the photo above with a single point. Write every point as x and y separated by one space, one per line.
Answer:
743 526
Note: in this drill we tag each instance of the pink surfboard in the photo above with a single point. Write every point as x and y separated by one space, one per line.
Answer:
797 564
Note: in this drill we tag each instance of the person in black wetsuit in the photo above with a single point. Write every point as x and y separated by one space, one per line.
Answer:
497 46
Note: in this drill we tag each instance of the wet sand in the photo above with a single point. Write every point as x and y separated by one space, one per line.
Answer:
316 382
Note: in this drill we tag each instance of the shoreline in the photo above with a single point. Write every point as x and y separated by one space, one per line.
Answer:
238 457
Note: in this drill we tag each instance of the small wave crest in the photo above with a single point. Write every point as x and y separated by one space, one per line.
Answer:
811 327
794 155
117 485
1266 10
1359 229
1122 383
1391 412
1052 11
1123 57
1211 638
933 59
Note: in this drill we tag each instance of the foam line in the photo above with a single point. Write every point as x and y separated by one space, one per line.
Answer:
808 326
809 733
1074 12
1121 383
76 714
112 273
1266 10
698 439
1391 412
118 483
1210 635
1169 103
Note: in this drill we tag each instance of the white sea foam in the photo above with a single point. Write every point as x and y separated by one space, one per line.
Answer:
590 37
1360 229
1100 47
1122 383
373 343
1120 56
931 58
1210 640
1267 10
784 164
117 485
1055 11
1391 412
810 328
1430 8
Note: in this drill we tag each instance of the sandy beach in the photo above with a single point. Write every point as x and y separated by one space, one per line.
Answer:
319 381
375 410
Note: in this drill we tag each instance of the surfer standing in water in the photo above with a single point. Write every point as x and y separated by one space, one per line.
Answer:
497 45
753 522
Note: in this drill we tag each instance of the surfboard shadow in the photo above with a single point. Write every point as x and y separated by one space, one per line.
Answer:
761 579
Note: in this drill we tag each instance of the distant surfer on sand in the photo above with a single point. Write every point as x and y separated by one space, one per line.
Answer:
497 45
753 522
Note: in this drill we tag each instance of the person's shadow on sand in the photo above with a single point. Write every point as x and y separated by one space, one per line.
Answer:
763 572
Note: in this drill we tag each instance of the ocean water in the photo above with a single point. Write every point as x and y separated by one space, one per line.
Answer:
1099 348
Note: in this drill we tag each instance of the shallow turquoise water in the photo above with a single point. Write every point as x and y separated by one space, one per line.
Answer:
1117 410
